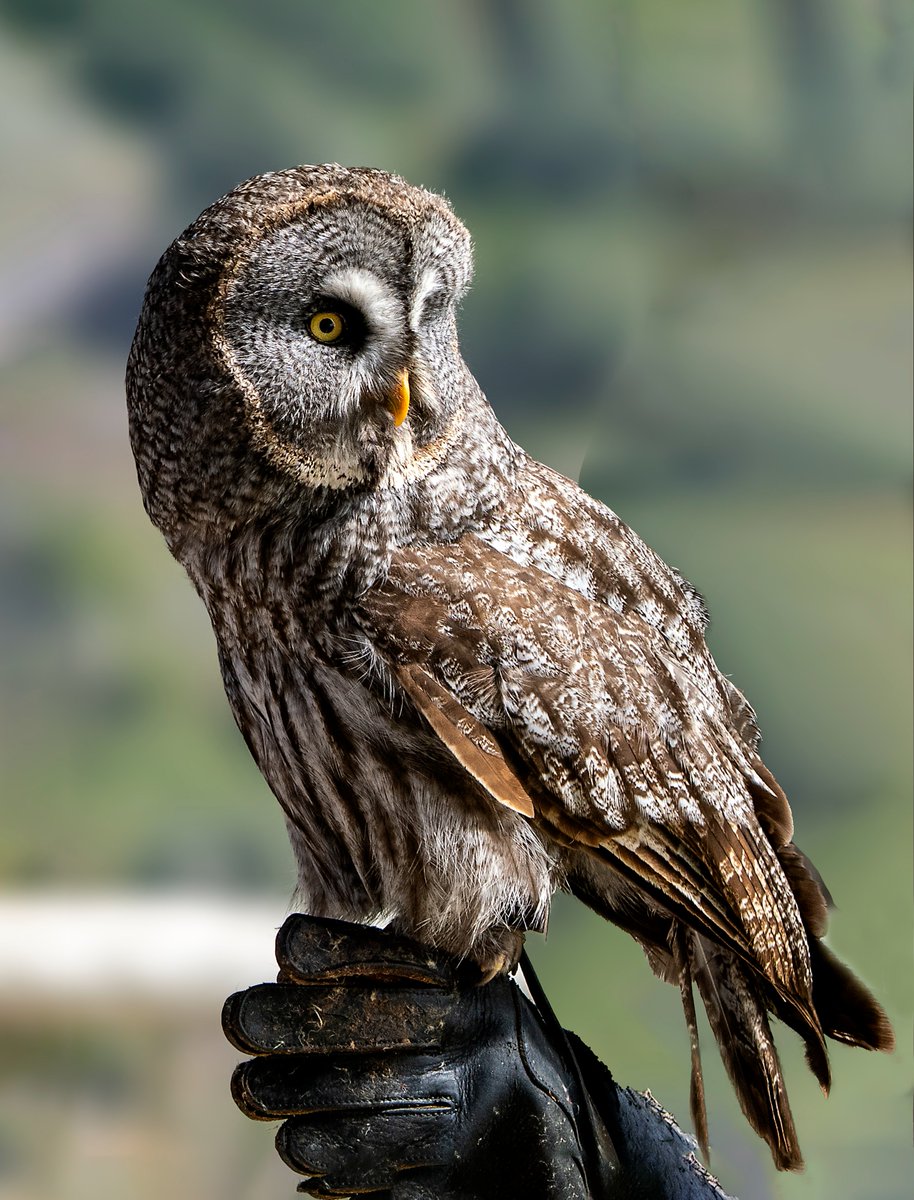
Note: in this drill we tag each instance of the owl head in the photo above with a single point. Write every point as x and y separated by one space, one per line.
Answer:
296 343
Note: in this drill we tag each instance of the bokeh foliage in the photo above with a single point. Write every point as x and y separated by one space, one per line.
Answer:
692 291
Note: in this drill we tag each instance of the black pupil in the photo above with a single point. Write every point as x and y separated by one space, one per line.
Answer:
326 325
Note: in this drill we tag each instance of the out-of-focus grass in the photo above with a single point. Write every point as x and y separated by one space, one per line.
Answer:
138 778
125 1102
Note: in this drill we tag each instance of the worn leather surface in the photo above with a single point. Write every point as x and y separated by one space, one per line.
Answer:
397 1076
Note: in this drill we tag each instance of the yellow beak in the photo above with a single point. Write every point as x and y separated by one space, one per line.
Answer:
398 399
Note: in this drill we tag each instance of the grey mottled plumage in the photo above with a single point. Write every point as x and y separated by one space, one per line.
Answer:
468 683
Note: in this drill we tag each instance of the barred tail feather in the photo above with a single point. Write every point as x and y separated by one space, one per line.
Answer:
739 995
682 957
736 1012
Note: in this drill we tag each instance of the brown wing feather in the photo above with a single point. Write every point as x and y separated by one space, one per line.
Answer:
617 747
572 678
468 740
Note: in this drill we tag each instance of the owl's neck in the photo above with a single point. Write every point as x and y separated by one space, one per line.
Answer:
460 480
314 558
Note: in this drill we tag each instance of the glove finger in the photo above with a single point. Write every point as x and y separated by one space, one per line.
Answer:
285 1018
274 1087
362 1151
320 950
315 1187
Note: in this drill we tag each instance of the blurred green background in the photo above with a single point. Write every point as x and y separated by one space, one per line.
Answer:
693 292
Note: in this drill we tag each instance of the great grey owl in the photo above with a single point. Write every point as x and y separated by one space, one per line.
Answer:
468 683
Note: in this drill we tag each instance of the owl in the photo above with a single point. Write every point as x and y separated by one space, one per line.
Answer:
468 683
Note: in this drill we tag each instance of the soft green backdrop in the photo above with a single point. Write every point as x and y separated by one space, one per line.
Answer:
692 292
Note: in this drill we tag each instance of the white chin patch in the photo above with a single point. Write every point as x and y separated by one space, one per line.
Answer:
371 296
401 464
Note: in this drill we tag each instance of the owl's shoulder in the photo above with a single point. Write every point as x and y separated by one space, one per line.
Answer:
555 525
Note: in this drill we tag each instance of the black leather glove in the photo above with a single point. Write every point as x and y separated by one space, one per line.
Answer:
397 1076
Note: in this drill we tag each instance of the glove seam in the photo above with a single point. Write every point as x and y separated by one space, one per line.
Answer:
564 1104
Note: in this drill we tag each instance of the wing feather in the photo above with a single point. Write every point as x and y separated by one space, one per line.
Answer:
608 724
468 740
600 735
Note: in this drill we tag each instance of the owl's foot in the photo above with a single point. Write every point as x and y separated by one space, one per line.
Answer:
501 954
496 952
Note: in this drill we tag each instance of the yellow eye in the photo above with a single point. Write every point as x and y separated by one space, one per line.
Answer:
326 326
